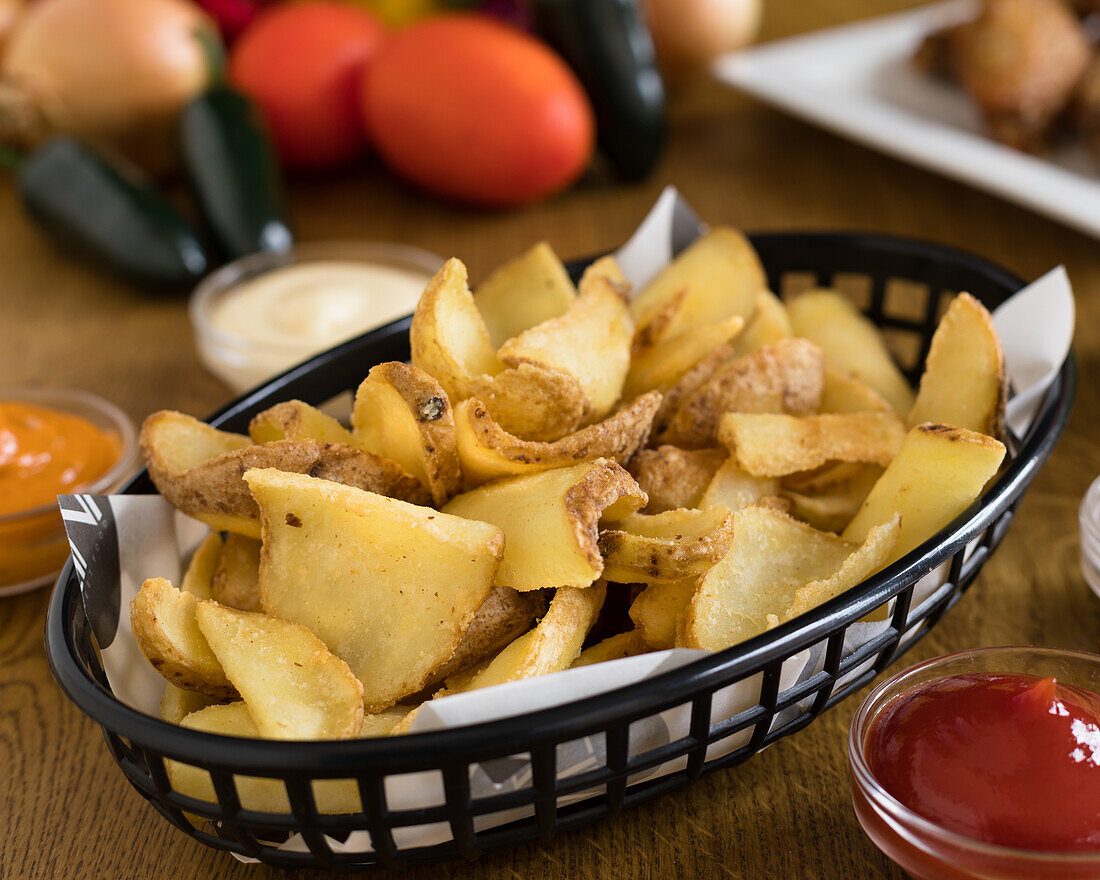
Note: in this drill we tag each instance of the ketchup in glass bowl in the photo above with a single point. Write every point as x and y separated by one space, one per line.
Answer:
984 764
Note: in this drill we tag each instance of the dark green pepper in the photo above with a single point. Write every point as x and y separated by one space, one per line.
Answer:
609 47
109 214
234 173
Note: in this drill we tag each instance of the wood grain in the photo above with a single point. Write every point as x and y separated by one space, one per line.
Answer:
65 809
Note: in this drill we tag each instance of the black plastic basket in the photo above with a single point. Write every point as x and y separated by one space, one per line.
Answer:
902 285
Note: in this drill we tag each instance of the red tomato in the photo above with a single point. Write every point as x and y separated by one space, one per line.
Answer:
302 64
477 111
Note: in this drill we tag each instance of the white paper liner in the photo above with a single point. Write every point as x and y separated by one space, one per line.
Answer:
153 540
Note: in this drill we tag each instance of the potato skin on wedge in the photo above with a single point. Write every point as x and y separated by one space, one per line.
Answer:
211 489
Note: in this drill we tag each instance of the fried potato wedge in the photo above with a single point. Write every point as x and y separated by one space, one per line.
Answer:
733 488
262 794
665 547
964 382
769 323
198 578
177 704
690 382
771 558
844 393
938 473
590 343
550 521
487 451
503 617
450 342
674 477
293 686
390 587
382 723
661 366
551 646
210 489
871 556
720 272
657 609
851 343
296 420
236 580
771 445
162 620
523 293
403 414
627 644
787 377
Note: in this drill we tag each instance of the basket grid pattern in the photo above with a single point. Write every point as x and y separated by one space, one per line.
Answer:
551 801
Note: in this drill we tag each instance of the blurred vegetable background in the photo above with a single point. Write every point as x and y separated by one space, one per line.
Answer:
492 104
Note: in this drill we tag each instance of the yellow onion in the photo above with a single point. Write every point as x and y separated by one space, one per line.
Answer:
688 34
115 72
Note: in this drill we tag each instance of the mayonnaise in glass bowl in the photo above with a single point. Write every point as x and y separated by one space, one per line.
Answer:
264 313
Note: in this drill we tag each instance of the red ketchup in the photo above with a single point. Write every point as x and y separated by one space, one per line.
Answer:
1012 760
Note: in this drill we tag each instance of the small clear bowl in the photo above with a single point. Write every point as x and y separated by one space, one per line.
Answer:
924 849
33 546
1089 518
241 362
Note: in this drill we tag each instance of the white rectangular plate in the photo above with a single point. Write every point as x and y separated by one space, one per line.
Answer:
859 81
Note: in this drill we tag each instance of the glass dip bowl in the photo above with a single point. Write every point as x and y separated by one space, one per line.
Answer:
33 545
264 313
926 850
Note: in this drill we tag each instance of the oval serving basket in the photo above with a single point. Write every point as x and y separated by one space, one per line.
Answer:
901 284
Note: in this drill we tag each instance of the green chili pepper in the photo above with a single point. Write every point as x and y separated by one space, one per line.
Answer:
109 214
234 173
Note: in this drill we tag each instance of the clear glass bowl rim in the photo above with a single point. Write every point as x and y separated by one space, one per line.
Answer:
882 801
253 265
62 399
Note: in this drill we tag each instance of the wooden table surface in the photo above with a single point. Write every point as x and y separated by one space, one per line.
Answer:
66 811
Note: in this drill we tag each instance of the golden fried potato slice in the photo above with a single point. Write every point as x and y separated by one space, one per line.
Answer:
627 644
177 704
236 581
297 420
262 794
871 556
733 488
851 343
674 477
450 342
448 336
771 558
403 414
769 323
590 343
550 521
689 383
720 272
162 620
657 609
551 646
783 378
487 451
523 293
770 445
833 508
198 578
661 366
503 617
390 587
938 473
654 331
210 489
382 723
665 547
293 686
844 393
964 382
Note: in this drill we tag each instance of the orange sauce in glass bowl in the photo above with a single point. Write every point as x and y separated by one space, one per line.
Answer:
44 453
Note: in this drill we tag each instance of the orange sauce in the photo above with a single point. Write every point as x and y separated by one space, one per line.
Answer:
43 453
